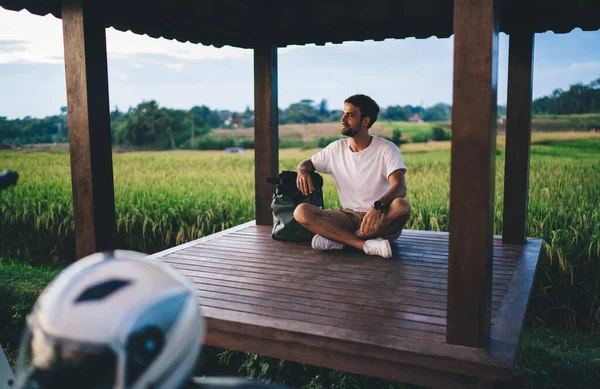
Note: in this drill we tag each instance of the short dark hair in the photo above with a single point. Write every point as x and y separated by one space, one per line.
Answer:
368 107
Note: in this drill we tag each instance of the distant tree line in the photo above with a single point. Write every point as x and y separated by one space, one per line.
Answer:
307 111
579 98
437 113
149 126
34 130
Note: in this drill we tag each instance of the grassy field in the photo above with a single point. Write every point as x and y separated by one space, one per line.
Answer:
167 198
312 132
413 132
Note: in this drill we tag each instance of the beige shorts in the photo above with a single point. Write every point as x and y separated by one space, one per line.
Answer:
350 220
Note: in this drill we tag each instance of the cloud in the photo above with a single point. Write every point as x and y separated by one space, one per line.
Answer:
41 41
40 37
11 49
176 66
549 70
35 90
548 77
126 43
11 45
585 66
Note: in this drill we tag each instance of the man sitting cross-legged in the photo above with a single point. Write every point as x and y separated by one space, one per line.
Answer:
369 175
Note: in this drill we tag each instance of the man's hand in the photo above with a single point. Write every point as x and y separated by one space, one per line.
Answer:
370 223
304 182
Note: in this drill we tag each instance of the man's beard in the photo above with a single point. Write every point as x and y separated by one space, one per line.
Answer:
349 131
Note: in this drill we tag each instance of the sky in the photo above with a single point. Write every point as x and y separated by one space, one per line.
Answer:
182 75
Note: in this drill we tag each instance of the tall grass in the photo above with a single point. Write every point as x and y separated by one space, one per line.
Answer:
161 200
168 198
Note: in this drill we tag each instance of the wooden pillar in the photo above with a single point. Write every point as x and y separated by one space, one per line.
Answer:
266 140
518 137
89 129
472 171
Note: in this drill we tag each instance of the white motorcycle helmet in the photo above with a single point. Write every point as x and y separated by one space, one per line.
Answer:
112 320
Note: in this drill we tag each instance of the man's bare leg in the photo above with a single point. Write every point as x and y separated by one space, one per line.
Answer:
320 222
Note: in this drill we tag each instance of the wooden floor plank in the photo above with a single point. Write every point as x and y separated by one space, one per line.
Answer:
398 246
339 258
417 298
402 312
414 237
310 280
320 293
433 236
421 258
312 321
369 306
316 315
336 332
438 250
322 284
201 264
332 265
398 275
414 240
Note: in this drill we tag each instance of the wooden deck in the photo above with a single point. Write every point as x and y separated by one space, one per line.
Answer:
349 311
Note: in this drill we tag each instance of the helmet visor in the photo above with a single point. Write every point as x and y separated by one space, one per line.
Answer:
45 363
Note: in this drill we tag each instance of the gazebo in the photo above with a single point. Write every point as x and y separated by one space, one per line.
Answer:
447 310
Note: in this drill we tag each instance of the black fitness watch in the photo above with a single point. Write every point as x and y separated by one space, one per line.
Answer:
379 205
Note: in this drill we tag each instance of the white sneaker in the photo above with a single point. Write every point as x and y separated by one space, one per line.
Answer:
378 246
321 243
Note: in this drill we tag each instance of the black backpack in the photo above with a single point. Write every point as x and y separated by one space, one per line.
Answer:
285 200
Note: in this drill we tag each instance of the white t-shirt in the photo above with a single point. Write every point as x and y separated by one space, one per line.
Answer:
361 177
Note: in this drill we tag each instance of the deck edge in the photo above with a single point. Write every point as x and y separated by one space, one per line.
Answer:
341 361
505 335
435 357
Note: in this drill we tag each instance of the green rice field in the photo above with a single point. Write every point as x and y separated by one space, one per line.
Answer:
167 198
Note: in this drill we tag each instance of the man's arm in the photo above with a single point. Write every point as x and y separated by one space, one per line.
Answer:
398 187
303 181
